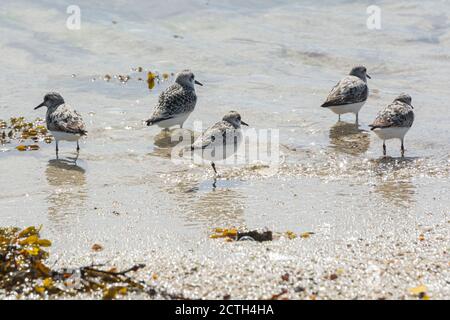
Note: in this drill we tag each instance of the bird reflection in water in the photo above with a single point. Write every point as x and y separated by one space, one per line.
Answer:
166 140
219 206
348 138
394 182
68 190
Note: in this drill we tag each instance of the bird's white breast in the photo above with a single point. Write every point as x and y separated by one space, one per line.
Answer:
391 133
60 135
347 108
178 119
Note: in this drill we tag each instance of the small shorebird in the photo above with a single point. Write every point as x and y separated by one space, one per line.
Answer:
221 140
394 121
176 103
349 94
63 122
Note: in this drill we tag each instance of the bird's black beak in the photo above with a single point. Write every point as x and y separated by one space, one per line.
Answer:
368 76
41 105
243 123
199 83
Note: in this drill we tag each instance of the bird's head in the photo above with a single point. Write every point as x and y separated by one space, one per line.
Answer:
51 100
187 79
360 72
404 97
234 118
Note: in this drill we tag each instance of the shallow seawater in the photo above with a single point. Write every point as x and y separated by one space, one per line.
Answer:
274 62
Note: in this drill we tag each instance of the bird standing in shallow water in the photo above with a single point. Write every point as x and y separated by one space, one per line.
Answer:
350 94
176 103
394 121
221 140
63 122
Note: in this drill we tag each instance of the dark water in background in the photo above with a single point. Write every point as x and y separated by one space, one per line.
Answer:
274 62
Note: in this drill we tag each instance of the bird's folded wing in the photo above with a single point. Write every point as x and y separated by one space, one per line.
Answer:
67 121
210 136
349 90
173 101
395 115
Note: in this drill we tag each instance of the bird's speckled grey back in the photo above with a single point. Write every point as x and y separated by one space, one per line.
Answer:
64 118
176 99
397 114
349 90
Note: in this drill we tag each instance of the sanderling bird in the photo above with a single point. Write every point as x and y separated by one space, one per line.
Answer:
176 103
221 140
394 121
349 94
63 122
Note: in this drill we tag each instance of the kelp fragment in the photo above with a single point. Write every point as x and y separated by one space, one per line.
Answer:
123 78
151 80
224 233
306 235
97 247
27 147
256 235
291 235
420 292
233 234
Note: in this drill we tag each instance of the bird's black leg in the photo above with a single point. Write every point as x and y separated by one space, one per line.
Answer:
57 149
403 149
213 165
384 148
339 118
356 121
78 147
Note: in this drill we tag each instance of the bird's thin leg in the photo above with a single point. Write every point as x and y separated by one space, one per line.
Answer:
213 165
57 149
339 117
384 148
181 125
356 121
78 147
403 149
